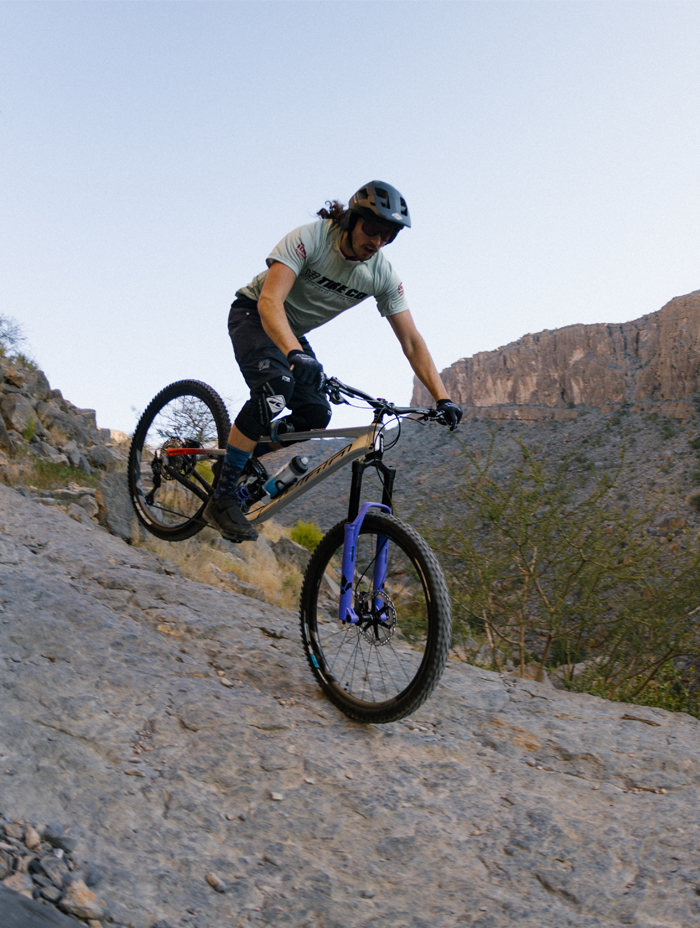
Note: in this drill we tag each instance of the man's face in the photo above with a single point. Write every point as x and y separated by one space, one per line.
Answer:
369 235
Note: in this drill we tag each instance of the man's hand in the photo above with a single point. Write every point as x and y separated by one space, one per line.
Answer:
306 369
451 412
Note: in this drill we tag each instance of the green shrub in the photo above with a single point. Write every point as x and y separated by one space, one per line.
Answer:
306 534
695 443
559 570
48 475
30 428
27 363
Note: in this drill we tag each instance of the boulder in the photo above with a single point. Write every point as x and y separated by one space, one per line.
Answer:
80 901
36 385
89 415
105 458
72 452
289 552
52 416
17 411
79 514
15 376
114 503
6 442
21 883
89 504
258 552
49 453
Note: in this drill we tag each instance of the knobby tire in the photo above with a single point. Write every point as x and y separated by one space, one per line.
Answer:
184 411
369 681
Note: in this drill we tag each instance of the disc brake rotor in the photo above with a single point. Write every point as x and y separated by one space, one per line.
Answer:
377 617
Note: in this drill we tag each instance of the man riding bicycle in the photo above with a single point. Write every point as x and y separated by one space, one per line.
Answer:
314 274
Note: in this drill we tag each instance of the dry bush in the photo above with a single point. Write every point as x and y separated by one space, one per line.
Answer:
58 436
279 584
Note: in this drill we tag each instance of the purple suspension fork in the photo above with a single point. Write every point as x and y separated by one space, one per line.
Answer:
346 612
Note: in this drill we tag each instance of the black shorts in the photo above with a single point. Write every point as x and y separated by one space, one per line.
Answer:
260 360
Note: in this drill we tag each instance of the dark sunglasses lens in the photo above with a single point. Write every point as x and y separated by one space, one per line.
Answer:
371 227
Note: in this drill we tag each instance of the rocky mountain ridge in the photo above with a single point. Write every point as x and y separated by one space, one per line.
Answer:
652 362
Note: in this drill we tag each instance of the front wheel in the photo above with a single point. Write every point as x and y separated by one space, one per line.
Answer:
169 493
387 665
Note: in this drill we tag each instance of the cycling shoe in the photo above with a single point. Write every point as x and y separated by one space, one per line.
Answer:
224 514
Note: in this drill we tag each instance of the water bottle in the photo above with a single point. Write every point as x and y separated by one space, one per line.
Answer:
288 475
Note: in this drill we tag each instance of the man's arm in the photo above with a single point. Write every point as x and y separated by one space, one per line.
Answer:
278 283
416 351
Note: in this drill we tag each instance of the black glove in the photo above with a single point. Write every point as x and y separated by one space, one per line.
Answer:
451 413
306 369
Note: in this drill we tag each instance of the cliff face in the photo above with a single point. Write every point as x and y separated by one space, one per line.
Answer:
654 358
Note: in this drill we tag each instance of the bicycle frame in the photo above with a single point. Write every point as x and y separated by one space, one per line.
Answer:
368 444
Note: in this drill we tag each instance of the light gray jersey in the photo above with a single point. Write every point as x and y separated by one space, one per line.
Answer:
327 282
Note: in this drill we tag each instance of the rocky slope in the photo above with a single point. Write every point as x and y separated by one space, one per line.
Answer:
37 422
176 733
654 358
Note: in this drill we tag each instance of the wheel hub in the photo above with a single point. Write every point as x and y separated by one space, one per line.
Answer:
377 617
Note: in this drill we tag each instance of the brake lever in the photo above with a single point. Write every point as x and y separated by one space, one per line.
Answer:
435 416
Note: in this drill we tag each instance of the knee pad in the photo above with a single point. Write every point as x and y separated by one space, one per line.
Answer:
306 418
266 401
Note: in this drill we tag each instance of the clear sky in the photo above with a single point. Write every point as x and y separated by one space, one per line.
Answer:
152 154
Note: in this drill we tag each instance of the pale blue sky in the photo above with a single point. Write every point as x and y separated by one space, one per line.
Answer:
152 154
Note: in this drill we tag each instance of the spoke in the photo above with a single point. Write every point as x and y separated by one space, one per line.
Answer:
367 675
381 658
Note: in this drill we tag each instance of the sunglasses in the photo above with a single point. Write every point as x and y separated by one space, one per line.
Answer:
386 230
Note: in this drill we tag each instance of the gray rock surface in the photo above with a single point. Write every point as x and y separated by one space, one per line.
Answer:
114 504
289 552
502 801
17 411
16 911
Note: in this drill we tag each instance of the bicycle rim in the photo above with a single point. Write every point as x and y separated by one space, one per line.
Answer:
169 493
386 666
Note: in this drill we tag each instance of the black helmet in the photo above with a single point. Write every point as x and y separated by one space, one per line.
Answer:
378 199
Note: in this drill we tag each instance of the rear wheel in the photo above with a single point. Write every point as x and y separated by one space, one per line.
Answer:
386 666
169 493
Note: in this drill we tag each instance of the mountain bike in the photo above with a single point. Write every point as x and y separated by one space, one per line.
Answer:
375 611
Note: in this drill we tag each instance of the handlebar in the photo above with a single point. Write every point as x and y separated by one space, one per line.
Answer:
335 390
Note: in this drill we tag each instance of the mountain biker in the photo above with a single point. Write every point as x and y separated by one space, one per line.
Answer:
314 274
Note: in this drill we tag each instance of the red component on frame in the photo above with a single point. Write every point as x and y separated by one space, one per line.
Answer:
171 452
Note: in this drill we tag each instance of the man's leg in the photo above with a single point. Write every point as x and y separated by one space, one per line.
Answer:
267 373
310 410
